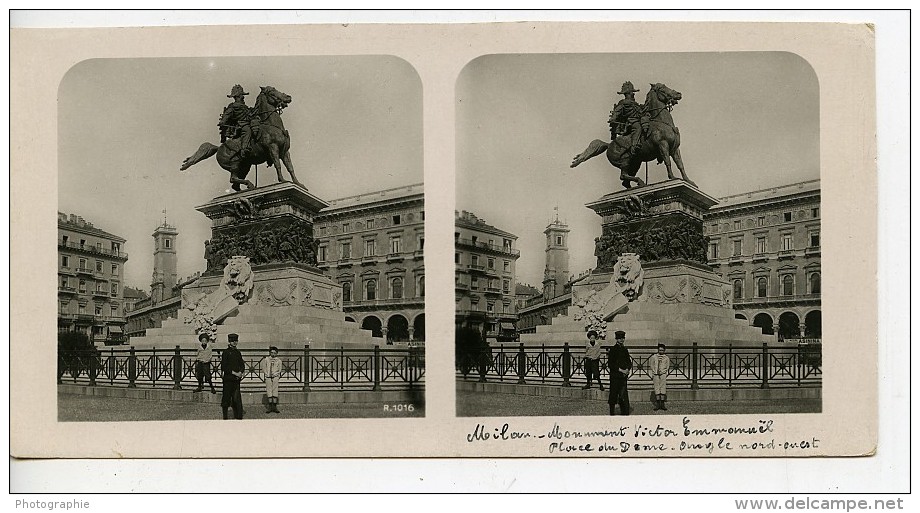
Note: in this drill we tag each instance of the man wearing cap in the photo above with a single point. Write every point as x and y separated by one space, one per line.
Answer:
271 375
659 365
620 365
237 115
627 117
593 360
203 363
232 367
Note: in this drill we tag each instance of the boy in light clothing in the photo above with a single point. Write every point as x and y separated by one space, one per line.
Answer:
593 360
660 365
271 375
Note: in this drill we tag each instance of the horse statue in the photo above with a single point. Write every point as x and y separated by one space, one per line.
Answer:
271 143
662 142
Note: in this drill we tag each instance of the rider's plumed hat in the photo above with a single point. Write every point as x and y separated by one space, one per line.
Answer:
627 88
237 91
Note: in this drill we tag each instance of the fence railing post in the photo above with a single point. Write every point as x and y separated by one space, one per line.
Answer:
376 365
695 371
305 368
132 368
93 367
566 365
111 367
342 367
731 366
484 353
177 369
766 368
521 364
154 366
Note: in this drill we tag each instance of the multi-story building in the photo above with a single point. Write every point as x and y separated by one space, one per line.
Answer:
485 284
767 244
91 267
373 246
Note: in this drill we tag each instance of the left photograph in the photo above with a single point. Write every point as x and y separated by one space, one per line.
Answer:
240 239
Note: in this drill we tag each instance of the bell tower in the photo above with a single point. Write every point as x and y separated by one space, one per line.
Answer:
556 271
165 274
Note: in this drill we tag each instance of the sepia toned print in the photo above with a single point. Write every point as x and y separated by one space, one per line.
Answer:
670 267
506 110
248 292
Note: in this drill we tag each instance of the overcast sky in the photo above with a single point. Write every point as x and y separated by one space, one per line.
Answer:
127 124
747 121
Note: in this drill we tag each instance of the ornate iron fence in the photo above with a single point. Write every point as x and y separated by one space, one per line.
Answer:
303 370
691 367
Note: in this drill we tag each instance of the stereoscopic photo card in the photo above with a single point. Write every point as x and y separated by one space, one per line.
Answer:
600 240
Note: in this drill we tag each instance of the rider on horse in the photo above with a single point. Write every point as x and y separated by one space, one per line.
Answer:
628 118
237 115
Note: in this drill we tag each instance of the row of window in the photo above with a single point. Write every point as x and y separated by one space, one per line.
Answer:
370 248
370 289
490 284
115 247
474 239
67 283
83 265
761 221
369 224
98 309
761 246
490 262
787 285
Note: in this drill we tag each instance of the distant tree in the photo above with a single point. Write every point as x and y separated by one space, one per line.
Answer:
75 353
470 347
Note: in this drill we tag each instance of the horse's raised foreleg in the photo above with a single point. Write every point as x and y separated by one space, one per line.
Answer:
289 165
680 166
205 151
595 148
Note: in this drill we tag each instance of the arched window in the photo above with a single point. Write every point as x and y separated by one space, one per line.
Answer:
738 288
761 287
421 286
346 292
396 288
788 285
370 290
814 282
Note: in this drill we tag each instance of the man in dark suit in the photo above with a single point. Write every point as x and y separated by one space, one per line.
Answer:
620 364
232 367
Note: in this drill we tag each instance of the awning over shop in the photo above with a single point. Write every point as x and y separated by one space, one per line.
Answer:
507 326
115 329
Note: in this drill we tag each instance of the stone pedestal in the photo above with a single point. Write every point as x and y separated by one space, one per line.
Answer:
682 300
291 302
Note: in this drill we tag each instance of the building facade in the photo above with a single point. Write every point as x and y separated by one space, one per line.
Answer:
373 246
767 244
485 284
91 267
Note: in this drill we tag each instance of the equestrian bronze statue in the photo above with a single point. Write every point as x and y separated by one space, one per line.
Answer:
641 133
250 137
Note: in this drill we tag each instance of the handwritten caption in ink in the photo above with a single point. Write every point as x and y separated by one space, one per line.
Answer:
755 438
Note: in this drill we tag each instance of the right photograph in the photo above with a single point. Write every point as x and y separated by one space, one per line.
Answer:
638 234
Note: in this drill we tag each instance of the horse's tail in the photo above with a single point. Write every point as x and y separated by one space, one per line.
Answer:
595 148
205 151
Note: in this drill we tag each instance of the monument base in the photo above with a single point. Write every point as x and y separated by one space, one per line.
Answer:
278 296
681 300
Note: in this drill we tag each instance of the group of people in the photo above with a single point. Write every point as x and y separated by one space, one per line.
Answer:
620 364
233 369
